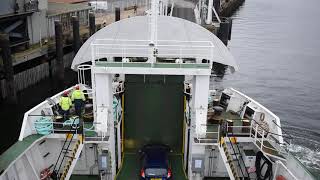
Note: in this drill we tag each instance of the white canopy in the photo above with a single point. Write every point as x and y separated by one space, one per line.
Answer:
175 37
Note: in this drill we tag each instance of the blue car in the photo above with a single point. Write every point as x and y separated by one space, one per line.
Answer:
155 162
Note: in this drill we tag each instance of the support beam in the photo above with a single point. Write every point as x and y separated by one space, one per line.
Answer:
76 34
8 67
104 104
200 89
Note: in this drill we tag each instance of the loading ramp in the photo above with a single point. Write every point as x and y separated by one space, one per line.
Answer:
153 113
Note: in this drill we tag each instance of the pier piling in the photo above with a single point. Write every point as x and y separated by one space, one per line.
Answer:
8 68
76 34
224 31
59 51
117 14
216 5
92 24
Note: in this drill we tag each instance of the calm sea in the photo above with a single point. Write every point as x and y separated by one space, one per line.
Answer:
277 46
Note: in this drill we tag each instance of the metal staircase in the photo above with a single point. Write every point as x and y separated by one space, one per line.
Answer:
67 156
230 163
72 160
234 166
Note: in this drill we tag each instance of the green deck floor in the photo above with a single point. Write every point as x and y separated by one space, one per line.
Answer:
15 150
84 177
131 166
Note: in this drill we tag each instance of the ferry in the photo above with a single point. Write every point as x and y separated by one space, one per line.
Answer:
150 113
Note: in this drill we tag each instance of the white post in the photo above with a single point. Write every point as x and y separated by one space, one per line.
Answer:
262 139
256 133
200 89
105 119
251 128
209 13
153 29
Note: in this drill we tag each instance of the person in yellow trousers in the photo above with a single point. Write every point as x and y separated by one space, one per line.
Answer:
65 104
78 98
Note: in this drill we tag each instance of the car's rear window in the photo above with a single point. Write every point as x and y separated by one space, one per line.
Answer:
156 172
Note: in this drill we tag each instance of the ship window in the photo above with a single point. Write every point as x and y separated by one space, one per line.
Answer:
249 113
224 101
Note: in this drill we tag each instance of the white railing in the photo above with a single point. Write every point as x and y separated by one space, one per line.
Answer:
82 81
104 48
265 137
258 134
97 135
29 118
49 126
282 170
207 140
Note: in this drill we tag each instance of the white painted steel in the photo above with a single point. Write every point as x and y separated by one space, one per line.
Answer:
131 38
200 89
226 163
74 162
152 71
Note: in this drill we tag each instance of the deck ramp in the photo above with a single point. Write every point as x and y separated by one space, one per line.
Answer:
153 111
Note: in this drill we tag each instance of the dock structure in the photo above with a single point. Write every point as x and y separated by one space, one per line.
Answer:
31 31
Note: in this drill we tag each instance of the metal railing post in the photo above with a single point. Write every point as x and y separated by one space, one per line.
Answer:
251 128
262 139
256 133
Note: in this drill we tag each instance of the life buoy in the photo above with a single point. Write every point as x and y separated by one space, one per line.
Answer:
262 116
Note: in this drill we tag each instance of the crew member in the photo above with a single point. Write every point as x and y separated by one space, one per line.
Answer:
65 104
78 98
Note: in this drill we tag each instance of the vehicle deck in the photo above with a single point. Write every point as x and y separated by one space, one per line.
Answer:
16 150
84 177
130 168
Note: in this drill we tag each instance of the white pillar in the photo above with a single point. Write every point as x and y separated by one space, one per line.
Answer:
104 112
103 99
209 14
200 92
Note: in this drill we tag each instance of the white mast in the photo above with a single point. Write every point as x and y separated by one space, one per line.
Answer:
153 29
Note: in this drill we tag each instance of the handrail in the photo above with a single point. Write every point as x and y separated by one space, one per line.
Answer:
280 151
269 132
63 147
282 129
